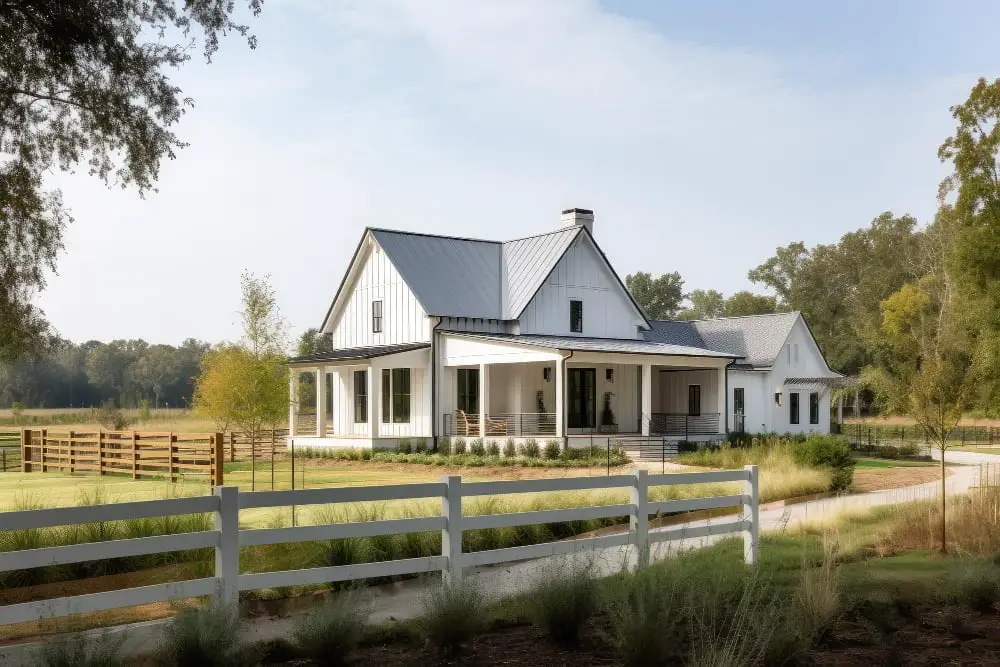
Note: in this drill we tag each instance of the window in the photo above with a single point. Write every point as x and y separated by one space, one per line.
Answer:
396 396
814 408
468 390
793 408
739 409
386 396
694 400
376 317
400 395
582 395
576 316
360 397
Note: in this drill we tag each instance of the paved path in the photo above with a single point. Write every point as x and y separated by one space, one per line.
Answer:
405 599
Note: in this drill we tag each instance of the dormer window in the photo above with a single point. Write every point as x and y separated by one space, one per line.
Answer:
376 317
576 316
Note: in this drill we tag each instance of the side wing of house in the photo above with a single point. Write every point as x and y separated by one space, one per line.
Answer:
805 406
375 306
602 305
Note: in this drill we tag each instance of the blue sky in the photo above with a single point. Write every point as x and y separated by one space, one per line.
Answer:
704 135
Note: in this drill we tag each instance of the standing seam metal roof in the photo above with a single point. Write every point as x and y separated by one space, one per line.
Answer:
527 263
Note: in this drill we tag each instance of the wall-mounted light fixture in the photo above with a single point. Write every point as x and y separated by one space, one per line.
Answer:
777 398
547 374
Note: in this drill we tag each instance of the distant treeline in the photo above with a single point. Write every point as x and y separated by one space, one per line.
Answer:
127 372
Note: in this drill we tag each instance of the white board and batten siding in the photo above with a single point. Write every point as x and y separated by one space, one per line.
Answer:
800 357
583 275
757 399
673 390
403 318
625 388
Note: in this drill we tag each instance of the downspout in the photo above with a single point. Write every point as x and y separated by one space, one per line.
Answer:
434 384
725 415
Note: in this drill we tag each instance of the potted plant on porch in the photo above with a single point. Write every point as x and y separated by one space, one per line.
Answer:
608 422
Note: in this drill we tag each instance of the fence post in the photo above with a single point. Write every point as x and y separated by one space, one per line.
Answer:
135 455
751 514
100 454
232 446
218 458
42 436
639 518
69 449
26 450
171 439
451 535
227 554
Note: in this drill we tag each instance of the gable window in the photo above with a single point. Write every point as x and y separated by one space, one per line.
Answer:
576 316
360 397
793 408
814 408
396 396
376 317
694 400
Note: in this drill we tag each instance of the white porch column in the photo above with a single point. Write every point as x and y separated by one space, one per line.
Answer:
560 406
484 397
321 402
374 401
647 397
293 400
723 406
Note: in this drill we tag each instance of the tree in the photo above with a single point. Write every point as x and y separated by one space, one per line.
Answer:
923 364
313 342
659 297
84 82
748 303
246 384
705 304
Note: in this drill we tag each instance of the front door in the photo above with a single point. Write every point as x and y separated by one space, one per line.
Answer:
582 397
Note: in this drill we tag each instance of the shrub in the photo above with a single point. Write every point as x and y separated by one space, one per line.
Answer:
452 615
326 635
645 619
564 600
492 448
530 448
477 448
444 446
145 414
403 446
975 583
828 451
206 637
419 446
510 449
552 450
740 439
685 446
817 601
110 417
458 446
82 650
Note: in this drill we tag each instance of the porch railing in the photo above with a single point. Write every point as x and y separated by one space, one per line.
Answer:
512 425
678 423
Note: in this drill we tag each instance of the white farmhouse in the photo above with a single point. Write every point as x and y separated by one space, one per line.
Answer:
438 336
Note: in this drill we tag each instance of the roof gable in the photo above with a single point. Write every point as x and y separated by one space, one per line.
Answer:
758 339
527 263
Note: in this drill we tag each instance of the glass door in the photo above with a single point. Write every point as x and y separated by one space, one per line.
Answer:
582 397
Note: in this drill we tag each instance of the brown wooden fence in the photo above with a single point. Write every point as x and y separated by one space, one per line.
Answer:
141 454
10 450
268 444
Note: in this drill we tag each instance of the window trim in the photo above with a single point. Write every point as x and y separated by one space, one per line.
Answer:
576 323
397 376
361 392
467 389
794 408
813 407
377 318
386 390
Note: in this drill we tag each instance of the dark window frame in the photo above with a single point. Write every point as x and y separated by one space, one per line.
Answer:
694 400
576 315
814 407
793 408
386 390
377 316
361 397
401 395
581 398
467 390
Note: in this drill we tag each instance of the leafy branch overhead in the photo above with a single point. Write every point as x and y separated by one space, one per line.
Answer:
85 85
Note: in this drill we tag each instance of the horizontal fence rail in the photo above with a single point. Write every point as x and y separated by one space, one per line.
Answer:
514 425
683 424
10 450
227 538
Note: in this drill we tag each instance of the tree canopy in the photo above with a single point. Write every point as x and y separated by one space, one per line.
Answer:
85 84
660 297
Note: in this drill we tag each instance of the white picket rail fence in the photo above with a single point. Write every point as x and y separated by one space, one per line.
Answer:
227 537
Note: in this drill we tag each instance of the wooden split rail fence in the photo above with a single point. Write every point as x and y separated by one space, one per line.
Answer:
10 450
228 538
141 454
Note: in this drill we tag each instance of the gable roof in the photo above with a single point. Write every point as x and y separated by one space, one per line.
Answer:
758 339
527 263
449 276
461 277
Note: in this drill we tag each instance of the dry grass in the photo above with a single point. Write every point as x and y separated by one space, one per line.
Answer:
878 479
82 419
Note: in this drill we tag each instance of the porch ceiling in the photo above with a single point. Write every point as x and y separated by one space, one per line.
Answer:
607 345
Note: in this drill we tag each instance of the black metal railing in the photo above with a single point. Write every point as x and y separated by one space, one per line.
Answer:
685 425
512 425
644 449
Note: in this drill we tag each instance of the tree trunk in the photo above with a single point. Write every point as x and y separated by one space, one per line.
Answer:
944 521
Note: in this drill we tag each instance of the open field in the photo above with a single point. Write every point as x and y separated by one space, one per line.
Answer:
172 419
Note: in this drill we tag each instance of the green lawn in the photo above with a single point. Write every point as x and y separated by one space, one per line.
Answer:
892 463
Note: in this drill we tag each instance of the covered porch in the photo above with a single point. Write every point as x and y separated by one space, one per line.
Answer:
498 389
